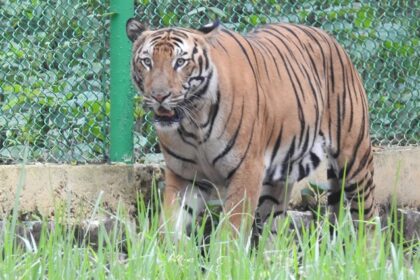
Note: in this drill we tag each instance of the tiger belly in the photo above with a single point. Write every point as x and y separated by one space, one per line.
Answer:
295 168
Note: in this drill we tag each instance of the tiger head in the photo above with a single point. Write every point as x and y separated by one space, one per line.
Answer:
171 67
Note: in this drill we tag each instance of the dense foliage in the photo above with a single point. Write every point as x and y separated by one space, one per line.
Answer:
54 63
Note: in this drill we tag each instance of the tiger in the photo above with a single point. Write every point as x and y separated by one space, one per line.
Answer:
248 115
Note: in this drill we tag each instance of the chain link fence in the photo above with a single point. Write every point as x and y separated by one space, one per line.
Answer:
54 60
53 81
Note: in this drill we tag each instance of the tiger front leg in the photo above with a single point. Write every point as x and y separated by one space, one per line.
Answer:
242 195
182 202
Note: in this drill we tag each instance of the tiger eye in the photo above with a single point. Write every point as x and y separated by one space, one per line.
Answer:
180 62
147 61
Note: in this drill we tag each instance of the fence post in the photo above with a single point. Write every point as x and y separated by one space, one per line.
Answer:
121 127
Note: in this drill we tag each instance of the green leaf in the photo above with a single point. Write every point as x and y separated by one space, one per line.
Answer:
169 18
388 44
17 88
8 88
107 108
253 19
97 131
218 12
197 10
9 105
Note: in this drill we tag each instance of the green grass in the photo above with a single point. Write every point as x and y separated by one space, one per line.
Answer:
308 254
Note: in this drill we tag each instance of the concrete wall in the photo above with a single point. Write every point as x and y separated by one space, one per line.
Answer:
44 188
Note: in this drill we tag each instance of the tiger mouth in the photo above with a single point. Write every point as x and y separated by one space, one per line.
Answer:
165 116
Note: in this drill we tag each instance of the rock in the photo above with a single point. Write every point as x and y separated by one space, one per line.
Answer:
148 176
411 224
300 220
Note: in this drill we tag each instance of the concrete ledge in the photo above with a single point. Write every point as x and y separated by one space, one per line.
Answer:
397 171
75 189
78 188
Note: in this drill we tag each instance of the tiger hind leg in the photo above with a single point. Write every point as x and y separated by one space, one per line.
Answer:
334 195
272 204
357 177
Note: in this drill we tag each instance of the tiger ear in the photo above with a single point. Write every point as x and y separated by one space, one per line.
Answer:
210 30
134 29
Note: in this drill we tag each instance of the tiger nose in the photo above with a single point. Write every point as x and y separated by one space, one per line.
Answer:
160 97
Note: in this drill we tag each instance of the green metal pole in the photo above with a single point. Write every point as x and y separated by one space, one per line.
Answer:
121 146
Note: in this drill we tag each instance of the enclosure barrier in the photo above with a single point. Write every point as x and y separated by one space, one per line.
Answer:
66 94
121 92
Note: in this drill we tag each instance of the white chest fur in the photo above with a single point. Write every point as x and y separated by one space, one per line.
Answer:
193 159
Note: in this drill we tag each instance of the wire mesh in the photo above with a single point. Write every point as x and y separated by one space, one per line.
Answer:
54 60
53 90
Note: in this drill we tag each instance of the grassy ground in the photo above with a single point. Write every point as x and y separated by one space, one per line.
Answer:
127 252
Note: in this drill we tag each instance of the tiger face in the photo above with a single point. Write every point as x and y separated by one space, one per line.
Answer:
170 68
